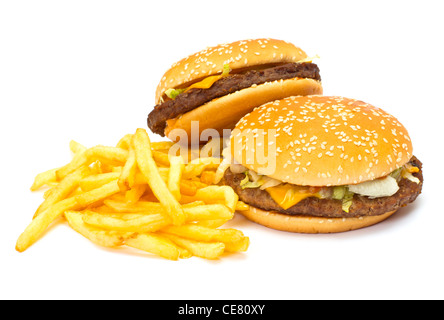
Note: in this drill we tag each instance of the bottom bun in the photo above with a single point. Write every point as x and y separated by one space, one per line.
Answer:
306 224
225 112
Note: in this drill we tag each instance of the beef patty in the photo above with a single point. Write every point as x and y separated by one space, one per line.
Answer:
195 97
330 208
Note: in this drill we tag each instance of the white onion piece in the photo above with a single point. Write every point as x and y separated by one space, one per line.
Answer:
237 168
269 183
376 188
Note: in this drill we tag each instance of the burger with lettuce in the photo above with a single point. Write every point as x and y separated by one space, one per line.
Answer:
321 164
219 85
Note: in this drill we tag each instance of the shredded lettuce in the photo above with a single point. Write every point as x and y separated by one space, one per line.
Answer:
347 201
344 194
252 185
173 93
339 192
226 71
411 177
245 180
396 174
247 184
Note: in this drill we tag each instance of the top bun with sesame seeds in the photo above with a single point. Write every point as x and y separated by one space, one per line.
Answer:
322 164
230 80
323 141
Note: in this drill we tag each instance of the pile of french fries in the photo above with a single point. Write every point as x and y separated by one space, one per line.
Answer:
137 195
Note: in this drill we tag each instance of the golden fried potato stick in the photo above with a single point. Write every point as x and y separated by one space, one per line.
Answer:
200 233
148 167
128 175
98 236
175 176
215 194
107 154
44 178
156 244
140 223
38 225
97 180
195 167
87 198
63 189
208 212
206 250
76 147
240 245
161 158
161 145
133 195
125 142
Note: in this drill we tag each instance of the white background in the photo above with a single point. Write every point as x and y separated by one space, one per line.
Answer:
87 70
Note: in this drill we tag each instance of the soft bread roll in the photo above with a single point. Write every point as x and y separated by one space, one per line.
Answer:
225 112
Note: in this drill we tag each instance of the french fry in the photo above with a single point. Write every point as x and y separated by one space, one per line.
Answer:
76 147
141 223
215 194
242 206
208 212
140 195
44 178
187 188
110 154
104 154
200 233
133 195
128 174
97 236
79 159
161 145
97 180
175 176
195 167
212 149
156 244
206 250
93 196
140 206
63 189
161 158
207 177
148 167
125 142
212 223
143 206
38 225
240 245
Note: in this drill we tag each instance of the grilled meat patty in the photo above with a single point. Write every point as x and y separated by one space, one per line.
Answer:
194 98
330 208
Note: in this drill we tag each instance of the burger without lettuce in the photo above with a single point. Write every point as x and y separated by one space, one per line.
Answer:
339 164
230 80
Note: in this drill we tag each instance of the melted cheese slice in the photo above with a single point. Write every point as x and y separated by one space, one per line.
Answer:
287 195
205 83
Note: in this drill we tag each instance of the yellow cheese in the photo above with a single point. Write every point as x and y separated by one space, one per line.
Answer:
209 81
205 83
287 195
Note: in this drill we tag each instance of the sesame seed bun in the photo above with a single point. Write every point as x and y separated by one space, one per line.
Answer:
321 141
239 54
260 70
239 103
308 224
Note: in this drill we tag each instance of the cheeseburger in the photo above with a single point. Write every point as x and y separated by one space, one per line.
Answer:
318 164
229 80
